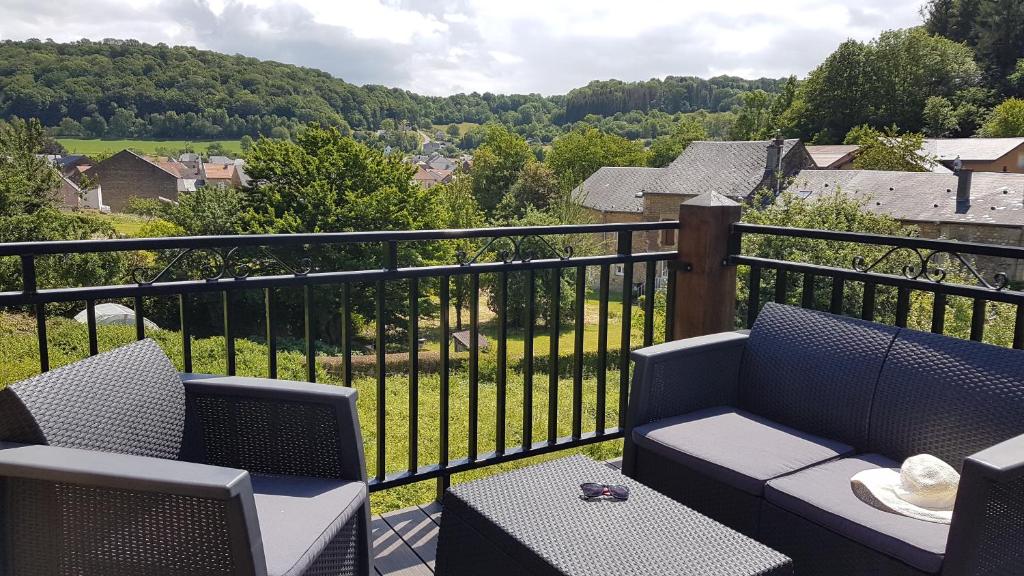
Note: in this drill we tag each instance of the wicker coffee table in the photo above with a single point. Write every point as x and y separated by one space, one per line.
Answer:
533 521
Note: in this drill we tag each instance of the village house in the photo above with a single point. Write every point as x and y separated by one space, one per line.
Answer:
977 154
430 177
983 207
834 156
127 174
222 175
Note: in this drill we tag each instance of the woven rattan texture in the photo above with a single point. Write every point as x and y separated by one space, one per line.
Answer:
1002 535
74 530
462 551
341 557
730 506
814 371
269 436
129 400
649 534
946 397
819 552
673 392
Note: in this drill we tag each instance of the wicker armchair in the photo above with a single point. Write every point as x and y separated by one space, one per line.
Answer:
119 465
762 431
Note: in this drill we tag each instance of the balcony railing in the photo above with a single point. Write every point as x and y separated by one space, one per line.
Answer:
286 270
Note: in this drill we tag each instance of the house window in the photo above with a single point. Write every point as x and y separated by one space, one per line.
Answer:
668 237
620 269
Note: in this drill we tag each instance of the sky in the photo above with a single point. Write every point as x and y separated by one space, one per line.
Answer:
441 47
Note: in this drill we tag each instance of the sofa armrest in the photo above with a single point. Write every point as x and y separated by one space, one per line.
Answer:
106 512
986 535
274 426
682 376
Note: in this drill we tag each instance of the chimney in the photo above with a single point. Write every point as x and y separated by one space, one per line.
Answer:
963 189
773 163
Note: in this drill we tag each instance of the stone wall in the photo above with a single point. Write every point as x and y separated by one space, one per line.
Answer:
125 175
985 234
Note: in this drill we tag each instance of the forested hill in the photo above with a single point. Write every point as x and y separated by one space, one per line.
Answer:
128 89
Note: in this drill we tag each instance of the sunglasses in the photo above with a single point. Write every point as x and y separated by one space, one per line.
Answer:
595 490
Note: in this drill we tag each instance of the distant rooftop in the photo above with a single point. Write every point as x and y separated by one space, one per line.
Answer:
733 169
977 149
617 189
832 155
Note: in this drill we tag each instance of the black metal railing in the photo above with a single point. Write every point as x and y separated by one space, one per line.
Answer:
282 269
906 266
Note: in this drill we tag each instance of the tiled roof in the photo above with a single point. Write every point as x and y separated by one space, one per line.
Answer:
996 198
970 148
829 155
219 171
733 169
615 189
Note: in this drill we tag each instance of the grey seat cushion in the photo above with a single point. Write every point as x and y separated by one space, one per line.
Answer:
822 495
736 447
299 516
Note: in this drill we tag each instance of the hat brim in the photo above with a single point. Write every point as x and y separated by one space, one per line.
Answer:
877 487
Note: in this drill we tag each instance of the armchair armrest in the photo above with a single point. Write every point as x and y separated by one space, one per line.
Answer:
102 512
274 426
986 535
682 376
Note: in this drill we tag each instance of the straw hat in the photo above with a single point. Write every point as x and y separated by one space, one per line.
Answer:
923 488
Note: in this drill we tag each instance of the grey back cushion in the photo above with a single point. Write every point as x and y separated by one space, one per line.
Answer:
946 397
814 371
129 400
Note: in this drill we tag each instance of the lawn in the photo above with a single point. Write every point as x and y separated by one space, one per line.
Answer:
88 147
68 341
463 127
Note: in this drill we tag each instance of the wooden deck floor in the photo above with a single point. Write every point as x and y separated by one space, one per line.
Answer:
405 541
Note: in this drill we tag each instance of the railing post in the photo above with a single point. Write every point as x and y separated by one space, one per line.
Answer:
705 282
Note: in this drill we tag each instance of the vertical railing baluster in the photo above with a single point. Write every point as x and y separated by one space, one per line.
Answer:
1018 328
625 248
902 306
835 305
346 334
443 389
90 315
807 291
670 303
229 333
578 352
554 321
501 385
309 332
529 320
186 332
140 319
414 376
753 295
649 303
271 334
780 285
978 311
379 351
602 349
474 364
867 307
939 313
28 279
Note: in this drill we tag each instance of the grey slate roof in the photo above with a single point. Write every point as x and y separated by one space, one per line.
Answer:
616 189
970 148
996 198
733 169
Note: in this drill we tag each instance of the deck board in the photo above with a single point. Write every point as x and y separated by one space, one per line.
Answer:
392 556
417 530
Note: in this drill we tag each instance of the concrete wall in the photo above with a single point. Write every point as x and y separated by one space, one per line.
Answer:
125 175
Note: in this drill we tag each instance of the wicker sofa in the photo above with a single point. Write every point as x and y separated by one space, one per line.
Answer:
119 465
762 431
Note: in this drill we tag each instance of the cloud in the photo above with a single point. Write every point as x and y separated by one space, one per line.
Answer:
448 46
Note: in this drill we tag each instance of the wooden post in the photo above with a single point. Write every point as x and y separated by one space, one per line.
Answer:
705 284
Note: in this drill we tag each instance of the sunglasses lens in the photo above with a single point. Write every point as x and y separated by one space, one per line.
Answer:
591 490
619 492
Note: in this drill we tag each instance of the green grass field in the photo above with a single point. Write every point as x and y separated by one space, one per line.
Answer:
68 341
463 127
79 146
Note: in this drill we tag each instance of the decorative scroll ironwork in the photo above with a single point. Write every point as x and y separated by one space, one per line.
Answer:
926 266
520 249
220 263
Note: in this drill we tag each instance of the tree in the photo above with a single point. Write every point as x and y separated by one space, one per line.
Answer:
1006 120
245 142
209 211
888 150
754 120
1000 40
452 130
28 183
461 211
578 154
537 187
939 117
665 149
496 165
